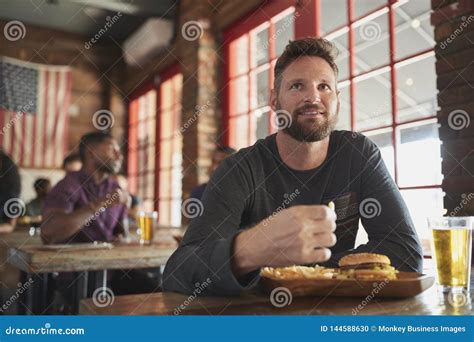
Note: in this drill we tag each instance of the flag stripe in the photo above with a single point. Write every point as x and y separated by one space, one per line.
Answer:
16 136
67 99
44 119
58 152
39 118
49 118
56 114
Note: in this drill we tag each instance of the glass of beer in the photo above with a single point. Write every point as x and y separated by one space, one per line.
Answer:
147 222
451 252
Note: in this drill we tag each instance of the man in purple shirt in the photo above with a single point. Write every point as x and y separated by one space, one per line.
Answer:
87 205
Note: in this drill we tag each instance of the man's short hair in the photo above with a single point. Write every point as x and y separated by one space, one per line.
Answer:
90 139
317 47
41 183
73 157
225 149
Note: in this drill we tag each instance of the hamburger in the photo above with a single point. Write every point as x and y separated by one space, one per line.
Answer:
367 266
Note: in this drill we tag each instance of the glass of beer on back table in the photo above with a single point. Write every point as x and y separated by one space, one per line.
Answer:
451 251
147 222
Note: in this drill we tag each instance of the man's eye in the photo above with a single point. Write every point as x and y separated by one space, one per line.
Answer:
296 86
325 86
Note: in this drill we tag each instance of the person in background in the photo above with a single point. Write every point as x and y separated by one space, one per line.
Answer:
72 163
89 205
42 186
221 153
10 188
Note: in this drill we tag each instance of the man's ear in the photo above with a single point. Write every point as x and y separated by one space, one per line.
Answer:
273 99
338 101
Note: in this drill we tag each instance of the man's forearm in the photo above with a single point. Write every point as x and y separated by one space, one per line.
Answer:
244 259
59 226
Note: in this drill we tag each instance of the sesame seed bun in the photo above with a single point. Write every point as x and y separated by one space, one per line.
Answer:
363 258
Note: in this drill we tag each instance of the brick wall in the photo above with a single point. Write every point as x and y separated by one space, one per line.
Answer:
454 35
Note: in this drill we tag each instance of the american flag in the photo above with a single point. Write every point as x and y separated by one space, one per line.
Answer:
34 101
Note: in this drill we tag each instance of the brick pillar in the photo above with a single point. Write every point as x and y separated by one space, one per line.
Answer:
199 63
454 35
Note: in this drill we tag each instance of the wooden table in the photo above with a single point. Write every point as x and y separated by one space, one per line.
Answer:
16 239
38 263
167 303
259 304
35 259
9 276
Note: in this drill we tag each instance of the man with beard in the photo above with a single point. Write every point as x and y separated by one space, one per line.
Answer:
267 205
89 205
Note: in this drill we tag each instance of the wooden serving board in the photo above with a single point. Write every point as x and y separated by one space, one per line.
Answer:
407 284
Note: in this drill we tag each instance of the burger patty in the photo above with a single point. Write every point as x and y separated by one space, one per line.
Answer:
367 266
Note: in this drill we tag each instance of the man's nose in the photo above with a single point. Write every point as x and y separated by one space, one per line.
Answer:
312 95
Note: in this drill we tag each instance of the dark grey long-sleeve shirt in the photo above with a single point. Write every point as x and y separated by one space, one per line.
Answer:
254 184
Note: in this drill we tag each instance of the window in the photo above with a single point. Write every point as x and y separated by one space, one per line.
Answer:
141 147
252 56
170 155
394 99
155 148
387 84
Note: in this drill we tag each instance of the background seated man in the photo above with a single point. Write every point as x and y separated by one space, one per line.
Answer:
266 205
10 188
221 153
34 208
88 205
72 163
72 209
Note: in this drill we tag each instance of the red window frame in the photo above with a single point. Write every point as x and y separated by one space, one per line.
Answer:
132 170
176 107
133 173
